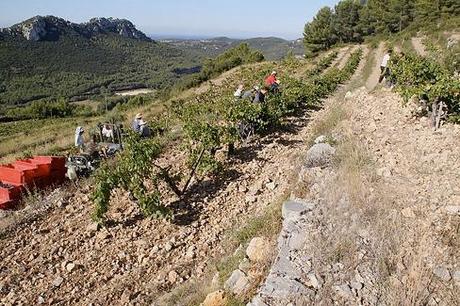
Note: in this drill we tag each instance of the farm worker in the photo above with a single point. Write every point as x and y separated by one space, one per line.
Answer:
272 82
260 95
79 137
249 94
136 126
107 132
384 71
144 129
239 91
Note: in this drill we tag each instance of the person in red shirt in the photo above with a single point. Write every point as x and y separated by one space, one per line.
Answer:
271 82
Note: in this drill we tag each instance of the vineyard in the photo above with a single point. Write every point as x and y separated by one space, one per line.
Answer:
434 87
209 123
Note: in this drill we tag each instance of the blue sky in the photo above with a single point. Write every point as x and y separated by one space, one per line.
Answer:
237 18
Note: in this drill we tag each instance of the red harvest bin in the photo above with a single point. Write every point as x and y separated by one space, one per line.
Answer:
44 167
40 171
30 171
9 192
9 195
57 162
11 175
4 204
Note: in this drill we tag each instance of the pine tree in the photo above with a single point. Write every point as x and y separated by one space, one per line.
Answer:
400 14
346 21
450 7
427 11
318 33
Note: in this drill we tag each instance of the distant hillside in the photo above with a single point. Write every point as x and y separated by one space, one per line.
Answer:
273 48
49 57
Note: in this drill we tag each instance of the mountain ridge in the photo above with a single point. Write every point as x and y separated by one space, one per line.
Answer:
51 28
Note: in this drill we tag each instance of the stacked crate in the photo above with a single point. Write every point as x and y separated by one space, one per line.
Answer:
37 172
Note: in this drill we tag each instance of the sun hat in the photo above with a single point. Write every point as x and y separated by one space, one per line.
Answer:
139 116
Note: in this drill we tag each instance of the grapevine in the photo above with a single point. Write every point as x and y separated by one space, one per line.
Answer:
437 89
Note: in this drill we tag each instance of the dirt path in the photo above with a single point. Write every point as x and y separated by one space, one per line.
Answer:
373 79
343 60
393 196
343 53
419 47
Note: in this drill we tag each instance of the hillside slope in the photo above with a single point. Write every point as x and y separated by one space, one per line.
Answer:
383 221
48 57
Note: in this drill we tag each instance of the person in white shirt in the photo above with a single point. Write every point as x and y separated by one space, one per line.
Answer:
79 137
384 71
239 91
107 132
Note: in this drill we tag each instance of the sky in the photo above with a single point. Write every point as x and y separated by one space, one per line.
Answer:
184 18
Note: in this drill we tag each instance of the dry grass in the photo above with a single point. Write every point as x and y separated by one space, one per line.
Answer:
400 252
327 123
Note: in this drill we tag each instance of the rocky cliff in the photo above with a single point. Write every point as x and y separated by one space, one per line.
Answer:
50 28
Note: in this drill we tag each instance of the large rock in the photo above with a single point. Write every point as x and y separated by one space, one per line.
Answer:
319 155
443 273
292 210
216 298
258 249
238 283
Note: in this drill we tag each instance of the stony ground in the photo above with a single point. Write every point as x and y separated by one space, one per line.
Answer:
383 226
60 258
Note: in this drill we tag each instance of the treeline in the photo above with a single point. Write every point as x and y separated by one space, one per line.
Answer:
48 109
62 108
239 55
351 20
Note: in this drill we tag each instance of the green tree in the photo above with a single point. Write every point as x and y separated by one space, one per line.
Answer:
318 34
427 10
346 21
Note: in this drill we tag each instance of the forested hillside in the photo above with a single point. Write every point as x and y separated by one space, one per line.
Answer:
351 21
71 64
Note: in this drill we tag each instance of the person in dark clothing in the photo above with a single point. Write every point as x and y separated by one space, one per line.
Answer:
260 96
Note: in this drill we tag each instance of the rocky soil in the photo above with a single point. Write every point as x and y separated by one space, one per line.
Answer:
380 225
384 232
62 258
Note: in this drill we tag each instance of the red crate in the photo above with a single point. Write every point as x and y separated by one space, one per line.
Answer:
58 176
4 204
10 192
44 167
9 174
57 162
30 171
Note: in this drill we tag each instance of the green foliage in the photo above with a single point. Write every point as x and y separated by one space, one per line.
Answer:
209 122
318 33
323 64
48 109
77 66
351 21
231 58
133 167
272 48
426 79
